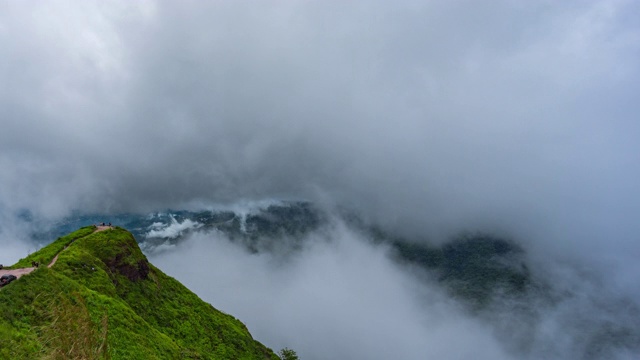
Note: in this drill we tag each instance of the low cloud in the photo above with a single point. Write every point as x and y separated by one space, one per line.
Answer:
172 230
15 242
338 298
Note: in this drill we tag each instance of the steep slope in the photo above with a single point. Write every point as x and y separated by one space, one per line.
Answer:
103 299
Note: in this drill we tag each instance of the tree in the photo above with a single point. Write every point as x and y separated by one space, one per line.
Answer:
288 354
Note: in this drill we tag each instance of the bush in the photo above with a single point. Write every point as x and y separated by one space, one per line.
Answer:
288 354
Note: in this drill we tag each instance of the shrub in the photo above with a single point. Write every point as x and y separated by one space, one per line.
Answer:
288 354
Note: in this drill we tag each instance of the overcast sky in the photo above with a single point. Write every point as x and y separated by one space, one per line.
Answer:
432 117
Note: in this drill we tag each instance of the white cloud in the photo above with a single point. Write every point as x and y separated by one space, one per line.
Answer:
173 229
339 298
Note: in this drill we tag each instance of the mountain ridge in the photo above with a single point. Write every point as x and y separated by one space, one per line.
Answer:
103 299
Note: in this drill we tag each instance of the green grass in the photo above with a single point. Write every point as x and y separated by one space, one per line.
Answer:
104 300
46 254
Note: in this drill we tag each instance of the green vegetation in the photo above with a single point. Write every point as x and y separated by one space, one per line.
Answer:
103 300
472 267
46 254
288 354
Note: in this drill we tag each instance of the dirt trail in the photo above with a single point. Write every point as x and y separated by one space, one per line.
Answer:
17 272
24 271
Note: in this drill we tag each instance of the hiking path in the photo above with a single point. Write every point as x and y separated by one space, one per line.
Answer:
18 273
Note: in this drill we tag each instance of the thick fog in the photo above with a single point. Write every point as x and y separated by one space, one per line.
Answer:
429 118
338 299
342 297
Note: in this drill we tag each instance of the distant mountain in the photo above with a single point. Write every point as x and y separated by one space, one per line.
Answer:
490 276
101 298
472 267
255 225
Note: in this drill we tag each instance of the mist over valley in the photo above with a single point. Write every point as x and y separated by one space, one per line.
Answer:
483 281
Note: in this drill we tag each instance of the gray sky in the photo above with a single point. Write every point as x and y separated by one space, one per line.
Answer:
428 116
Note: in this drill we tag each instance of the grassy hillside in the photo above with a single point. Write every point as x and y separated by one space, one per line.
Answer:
103 300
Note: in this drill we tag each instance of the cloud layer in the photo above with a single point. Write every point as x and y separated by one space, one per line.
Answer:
426 116
339 298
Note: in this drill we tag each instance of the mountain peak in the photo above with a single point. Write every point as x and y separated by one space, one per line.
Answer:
99 297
